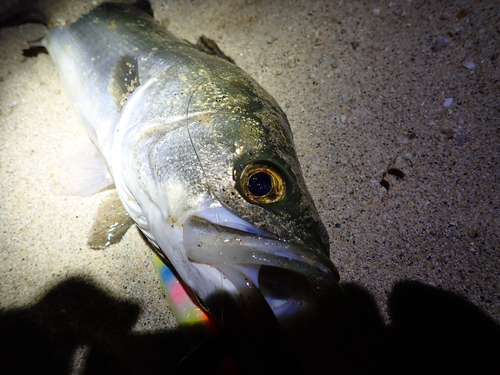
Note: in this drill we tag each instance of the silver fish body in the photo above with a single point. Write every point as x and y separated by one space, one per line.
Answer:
203 160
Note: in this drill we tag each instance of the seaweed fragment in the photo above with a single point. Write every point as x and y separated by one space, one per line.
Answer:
34 51
390 170
396 172
385 184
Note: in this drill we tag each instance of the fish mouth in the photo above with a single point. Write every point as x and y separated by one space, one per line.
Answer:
294 280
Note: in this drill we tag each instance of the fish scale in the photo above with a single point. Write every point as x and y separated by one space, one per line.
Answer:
182 131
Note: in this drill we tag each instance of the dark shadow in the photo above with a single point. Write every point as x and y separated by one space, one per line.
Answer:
18 12
353 340
43 338
432 332
438 332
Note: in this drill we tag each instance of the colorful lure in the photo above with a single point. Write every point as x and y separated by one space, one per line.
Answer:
186 311
198 328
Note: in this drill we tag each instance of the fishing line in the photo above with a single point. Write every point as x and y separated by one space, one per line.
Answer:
204 174
191 138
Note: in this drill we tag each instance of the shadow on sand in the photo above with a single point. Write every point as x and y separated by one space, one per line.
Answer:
44 338
432 332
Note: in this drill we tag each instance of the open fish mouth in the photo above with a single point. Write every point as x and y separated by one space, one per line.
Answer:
293 279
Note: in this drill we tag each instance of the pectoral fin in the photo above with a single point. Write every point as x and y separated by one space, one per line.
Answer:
82 172
111 223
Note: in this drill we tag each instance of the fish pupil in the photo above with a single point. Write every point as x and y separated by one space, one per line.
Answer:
260 184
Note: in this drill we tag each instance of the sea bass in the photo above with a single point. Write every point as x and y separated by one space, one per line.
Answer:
203 161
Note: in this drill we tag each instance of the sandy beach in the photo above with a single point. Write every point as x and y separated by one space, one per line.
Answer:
395 112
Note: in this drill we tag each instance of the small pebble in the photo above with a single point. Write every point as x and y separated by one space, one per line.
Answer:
440 44
462 13
461 139
470 65
271 39
448 102
447 132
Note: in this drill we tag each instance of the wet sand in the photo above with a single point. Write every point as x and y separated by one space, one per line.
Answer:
395 115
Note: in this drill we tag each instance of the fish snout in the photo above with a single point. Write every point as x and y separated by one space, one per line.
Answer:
296 282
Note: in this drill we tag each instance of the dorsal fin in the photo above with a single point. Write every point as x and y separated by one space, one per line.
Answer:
209 46
124 80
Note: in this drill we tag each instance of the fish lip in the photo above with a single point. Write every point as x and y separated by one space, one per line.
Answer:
244 256
207 242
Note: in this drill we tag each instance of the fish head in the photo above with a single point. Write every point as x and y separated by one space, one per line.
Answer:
263 233
220 192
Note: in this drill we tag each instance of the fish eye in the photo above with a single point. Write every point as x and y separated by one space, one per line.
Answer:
262 184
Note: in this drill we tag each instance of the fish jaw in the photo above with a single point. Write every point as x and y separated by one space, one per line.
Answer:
295 281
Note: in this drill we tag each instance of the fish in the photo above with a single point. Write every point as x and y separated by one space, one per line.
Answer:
204 163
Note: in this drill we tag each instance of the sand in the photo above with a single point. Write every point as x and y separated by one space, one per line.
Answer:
405 93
